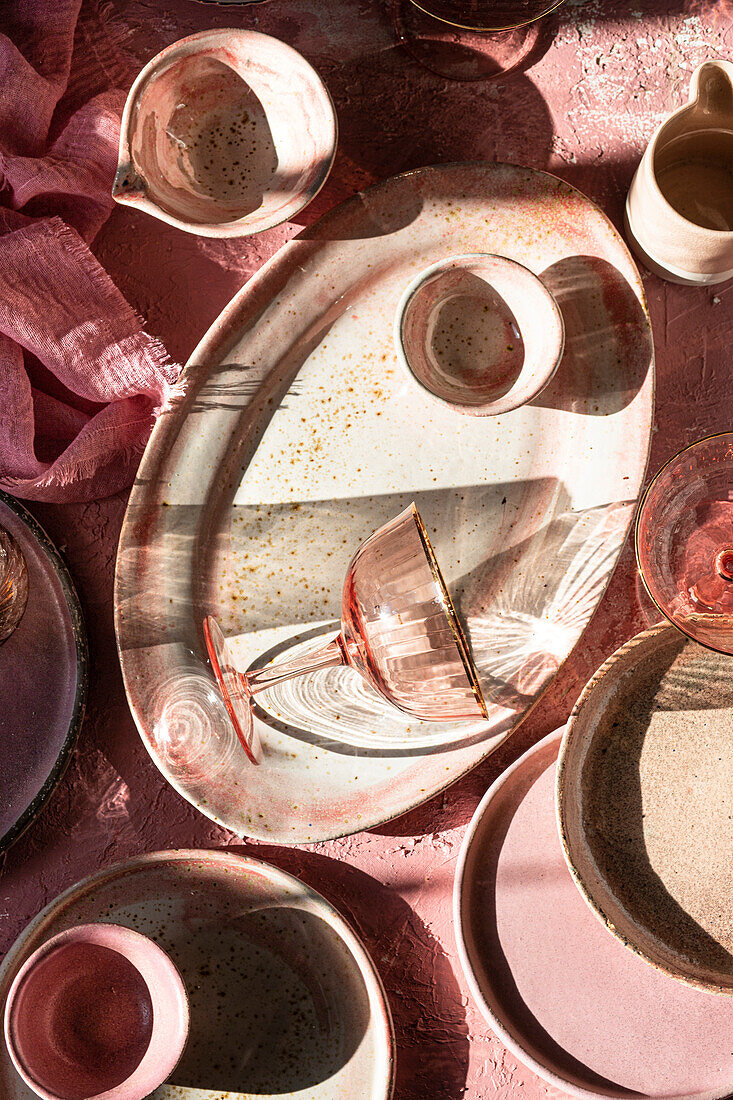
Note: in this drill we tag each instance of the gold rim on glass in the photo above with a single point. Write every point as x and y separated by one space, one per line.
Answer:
460 637
485 30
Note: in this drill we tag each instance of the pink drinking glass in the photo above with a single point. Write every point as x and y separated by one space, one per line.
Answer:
684 541
472 39
399 629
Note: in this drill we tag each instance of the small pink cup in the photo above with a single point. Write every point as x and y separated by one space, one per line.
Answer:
99 1012
480 333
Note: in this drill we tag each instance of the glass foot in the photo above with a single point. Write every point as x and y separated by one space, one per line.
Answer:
233 687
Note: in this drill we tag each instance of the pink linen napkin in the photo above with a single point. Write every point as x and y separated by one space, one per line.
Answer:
80 381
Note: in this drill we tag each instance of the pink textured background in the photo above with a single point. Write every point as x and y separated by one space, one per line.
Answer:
584 110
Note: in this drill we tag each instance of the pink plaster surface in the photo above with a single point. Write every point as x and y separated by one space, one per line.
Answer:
585 109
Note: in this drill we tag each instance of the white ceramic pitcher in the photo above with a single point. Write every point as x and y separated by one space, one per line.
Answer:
679 211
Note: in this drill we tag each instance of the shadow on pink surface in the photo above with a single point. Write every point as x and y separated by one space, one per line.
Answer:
424 996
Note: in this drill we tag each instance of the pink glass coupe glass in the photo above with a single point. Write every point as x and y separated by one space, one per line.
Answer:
399 629
684 541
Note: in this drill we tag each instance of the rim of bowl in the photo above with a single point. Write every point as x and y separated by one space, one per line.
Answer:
238 226
462 260
637 525
99 932
467 26
595 905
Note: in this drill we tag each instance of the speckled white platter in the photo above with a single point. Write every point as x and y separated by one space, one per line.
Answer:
284 999
296 436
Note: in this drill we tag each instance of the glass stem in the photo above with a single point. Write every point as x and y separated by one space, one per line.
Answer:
330 655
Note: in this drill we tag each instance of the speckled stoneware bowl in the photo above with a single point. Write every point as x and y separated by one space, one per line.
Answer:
283 999
479 332
98 1011
224 134
645 803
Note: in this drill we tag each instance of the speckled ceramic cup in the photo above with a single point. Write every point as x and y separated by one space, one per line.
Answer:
99 1012
480 333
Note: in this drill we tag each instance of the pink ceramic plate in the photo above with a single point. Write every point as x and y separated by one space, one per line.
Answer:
284 1000
297 435
43 667
566 996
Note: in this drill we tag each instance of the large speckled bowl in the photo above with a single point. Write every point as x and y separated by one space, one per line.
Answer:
224 134
645 803
284 1000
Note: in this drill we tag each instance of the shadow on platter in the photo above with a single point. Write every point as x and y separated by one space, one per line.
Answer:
608 350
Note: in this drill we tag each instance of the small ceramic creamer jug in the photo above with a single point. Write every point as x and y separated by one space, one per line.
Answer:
679 211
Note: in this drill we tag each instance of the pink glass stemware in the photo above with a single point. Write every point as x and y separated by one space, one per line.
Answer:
684 541
468 40
399 629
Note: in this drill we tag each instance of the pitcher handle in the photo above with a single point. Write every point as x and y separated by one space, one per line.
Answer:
711 88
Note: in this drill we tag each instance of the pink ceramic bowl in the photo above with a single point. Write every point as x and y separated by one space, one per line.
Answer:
480 333
99 1012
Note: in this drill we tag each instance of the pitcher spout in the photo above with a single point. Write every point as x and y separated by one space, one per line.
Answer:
128 186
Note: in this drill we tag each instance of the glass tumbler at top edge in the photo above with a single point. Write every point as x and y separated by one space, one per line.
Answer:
487 15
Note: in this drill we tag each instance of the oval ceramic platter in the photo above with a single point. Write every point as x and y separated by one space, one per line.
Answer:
43 669
284 1000
573 1003
295 435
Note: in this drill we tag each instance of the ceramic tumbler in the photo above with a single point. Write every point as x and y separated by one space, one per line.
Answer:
679 211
